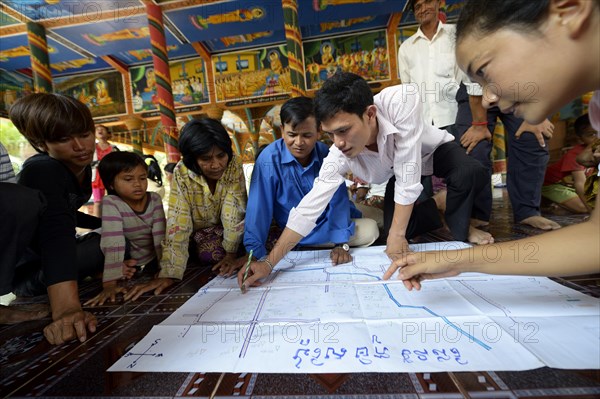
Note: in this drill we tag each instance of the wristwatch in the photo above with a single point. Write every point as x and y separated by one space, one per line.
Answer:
344 246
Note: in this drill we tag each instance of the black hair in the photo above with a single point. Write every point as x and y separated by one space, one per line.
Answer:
170 167
261 148
411 5
581 124
154 171
105 128
483 17
116 162
296 110
198 137
42 117
345 92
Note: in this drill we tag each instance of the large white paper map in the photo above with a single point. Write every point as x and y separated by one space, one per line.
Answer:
313 317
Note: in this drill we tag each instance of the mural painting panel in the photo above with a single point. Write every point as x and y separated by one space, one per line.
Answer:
188 82
253 73
13 86
364 54
102 92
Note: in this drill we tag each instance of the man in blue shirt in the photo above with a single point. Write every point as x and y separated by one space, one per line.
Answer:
283 173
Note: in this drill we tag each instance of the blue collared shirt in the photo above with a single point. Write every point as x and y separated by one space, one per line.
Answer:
278 184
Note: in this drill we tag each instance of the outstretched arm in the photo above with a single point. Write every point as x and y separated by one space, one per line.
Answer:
397 244
542 255
261 269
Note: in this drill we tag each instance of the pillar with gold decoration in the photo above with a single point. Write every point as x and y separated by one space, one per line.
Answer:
40 62
293 36
163 81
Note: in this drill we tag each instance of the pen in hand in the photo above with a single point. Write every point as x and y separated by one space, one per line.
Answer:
243 287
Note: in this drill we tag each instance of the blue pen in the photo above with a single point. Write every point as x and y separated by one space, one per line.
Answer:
243 287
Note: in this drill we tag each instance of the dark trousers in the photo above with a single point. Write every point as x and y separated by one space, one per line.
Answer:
20 211
464 177
20 264
526 164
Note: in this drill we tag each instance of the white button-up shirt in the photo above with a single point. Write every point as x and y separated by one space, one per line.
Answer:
431 64
405 149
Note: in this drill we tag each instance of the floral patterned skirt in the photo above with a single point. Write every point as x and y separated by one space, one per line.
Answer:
206 243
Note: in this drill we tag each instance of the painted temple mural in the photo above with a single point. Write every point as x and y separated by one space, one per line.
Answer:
12 87
102 92
364 54
188 82
251 73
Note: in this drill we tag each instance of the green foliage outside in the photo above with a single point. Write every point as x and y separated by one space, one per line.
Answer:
9 135
17 146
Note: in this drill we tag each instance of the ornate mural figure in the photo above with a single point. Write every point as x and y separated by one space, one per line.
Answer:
344 23
247 38
102 96
242 15
21 51
275 62
73 64
319 5
124 34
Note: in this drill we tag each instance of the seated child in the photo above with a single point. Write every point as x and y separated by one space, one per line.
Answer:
133 222
565 179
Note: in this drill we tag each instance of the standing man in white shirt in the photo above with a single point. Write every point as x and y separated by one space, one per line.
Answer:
427 59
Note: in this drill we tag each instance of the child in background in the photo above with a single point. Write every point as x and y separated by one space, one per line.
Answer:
133 223
565 179
103 147
590 157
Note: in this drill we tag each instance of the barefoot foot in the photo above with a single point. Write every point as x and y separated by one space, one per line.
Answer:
479 237
19 314
540 222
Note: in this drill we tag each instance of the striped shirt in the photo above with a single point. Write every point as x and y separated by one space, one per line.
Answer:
7 173
405 145
144 231
192 207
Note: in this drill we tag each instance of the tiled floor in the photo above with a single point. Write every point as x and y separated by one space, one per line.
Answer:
31 367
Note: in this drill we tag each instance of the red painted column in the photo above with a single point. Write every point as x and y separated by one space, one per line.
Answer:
163 81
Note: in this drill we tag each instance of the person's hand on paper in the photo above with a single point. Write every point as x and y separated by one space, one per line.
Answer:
339 256
420 266
256 271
